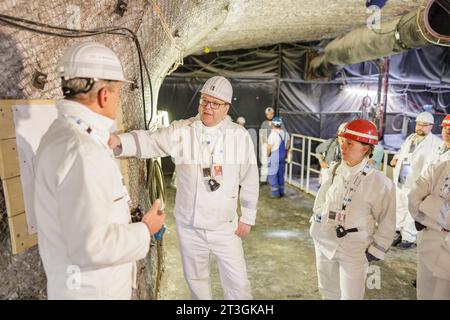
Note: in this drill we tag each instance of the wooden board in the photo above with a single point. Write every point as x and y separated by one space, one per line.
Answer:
10 176
12 189
6 120
9 159
18 229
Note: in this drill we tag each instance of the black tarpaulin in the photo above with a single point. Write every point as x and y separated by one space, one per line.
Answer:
274 76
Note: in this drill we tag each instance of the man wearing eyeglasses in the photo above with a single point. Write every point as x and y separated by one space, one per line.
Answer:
416 153
213 157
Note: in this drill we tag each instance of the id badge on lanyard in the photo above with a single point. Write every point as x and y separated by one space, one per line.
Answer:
212 172
337 217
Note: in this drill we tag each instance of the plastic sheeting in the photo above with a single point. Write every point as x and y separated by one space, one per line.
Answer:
274 76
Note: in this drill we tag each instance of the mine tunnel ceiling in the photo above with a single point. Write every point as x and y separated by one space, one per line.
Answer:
254 23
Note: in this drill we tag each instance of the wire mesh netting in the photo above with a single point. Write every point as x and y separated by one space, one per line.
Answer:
165 29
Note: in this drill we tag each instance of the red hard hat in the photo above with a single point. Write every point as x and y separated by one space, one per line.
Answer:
446 121
360 130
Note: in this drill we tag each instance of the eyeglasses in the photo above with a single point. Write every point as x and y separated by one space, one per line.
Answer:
213 105
423 124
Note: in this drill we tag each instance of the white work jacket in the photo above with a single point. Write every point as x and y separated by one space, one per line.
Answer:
86 242
429 204
424 154
371 210
443 154
195 205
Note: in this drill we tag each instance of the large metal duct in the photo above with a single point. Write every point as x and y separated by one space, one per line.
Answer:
429 24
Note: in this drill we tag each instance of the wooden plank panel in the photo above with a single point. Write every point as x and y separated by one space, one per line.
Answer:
9 159
12 189
6 120
18 230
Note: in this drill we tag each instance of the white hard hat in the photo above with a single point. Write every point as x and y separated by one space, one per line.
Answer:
425 117
90 60
218 87
240 120
269 109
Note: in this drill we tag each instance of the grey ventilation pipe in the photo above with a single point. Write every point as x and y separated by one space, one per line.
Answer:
429 24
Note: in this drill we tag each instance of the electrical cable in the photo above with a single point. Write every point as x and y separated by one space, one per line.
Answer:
155 180
25 24
157 190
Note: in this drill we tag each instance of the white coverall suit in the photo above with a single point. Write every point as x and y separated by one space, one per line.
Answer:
443 154
87 245
429 204
206 220
423 155
341 262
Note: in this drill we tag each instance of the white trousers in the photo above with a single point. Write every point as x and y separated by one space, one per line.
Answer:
430 287
405 222
342 277
196 245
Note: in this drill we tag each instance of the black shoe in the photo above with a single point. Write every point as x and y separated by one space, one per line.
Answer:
405 245
397 239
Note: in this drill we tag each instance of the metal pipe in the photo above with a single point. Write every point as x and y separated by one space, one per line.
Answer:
385 97
428 24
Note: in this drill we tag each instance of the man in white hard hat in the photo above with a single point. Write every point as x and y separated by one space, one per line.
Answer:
264 132
213 157
429 205
414 156
86 241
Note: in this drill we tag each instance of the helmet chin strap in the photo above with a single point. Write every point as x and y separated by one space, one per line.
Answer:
69 92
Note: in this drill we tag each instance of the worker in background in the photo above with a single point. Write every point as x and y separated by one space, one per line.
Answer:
277 149
328 152
86 241
354 216
429 205
241 121
264 132
415 155
208 181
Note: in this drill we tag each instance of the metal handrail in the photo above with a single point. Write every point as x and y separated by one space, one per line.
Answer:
304 184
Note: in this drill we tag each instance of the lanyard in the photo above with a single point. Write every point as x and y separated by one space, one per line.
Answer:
351 189
212 151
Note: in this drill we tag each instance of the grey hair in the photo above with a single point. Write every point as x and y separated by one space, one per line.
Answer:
80 84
